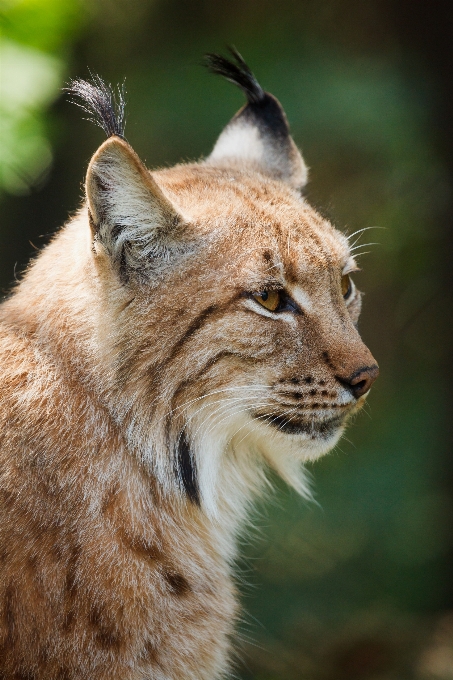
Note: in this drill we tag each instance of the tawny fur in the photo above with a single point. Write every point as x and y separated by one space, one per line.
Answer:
117 348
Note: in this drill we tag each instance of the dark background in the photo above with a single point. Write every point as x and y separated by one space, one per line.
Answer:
358 585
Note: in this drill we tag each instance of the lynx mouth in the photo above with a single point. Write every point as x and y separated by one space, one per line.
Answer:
319 429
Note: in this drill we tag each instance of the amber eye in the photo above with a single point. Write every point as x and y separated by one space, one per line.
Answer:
346 286
269 299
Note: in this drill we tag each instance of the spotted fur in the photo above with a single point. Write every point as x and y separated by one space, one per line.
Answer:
145 391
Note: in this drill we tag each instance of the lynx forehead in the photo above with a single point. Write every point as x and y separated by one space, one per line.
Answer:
189 328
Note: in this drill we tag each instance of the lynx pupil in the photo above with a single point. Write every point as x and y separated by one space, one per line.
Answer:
270 299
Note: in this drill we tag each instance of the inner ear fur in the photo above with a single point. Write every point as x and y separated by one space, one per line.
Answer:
258 137
129 214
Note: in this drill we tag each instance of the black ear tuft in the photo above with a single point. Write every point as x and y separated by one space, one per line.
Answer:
258 136
262 107
236 72
104 107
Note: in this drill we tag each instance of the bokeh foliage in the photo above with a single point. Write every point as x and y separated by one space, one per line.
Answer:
35 38
357 585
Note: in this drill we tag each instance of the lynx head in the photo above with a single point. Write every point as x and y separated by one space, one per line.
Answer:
229 322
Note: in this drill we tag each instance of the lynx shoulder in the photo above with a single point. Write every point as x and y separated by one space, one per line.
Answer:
190 328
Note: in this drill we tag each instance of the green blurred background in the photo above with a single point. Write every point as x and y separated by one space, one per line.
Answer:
358 585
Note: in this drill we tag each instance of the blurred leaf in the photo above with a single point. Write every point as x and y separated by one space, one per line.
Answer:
32 71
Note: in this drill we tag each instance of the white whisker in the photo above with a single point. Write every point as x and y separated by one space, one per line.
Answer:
360 231
245 410
264 418
210 394
217 412
364 245
223 403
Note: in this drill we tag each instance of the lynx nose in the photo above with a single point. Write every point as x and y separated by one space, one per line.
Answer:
360 381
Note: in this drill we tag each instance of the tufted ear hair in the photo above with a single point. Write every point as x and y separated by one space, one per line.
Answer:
129 214
258 135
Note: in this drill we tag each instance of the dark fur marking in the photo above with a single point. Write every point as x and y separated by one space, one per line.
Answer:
68 620
262 109
64 674
94 227
157 371
108 638
221 355
268 116
194 326
106 634
177 583
8 498
109 500
101 186
123 269
8 614
71 589
186 470
32 561
104 107
327 359
71 574
129 302
308 379
121 258
294 395
212 361
142 548
115 230
150 652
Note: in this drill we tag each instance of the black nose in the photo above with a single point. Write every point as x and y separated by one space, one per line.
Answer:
361 380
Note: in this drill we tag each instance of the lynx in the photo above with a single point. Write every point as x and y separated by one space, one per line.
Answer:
189 329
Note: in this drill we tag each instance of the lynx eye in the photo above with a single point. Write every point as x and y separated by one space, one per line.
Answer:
270 299
346 286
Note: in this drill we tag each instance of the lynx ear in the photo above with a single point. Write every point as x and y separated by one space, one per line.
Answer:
129 214
258 135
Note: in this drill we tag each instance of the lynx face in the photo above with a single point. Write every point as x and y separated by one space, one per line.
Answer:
288 312
232 312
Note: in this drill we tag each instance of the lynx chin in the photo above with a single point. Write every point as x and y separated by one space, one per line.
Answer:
187 330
